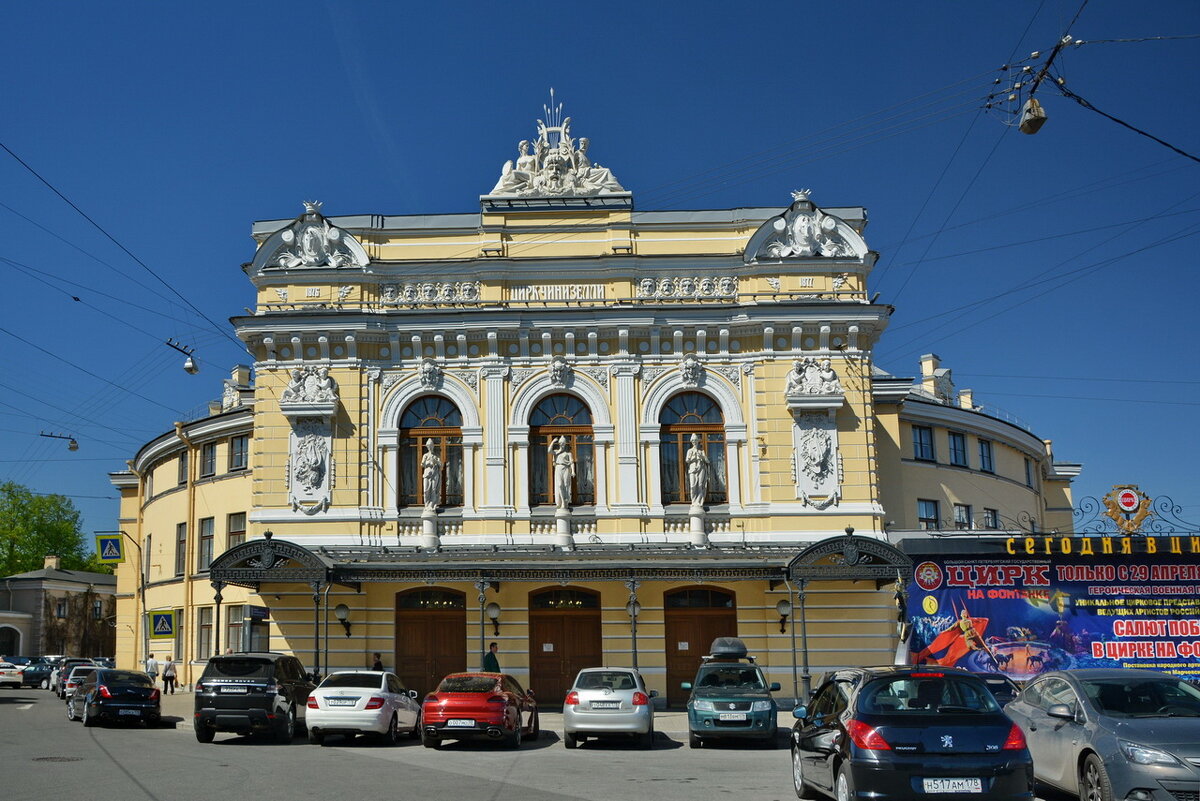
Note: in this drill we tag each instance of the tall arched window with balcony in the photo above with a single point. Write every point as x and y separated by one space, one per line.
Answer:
568 417
685 414
430 417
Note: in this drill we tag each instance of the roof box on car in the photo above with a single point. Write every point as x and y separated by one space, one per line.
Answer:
727 648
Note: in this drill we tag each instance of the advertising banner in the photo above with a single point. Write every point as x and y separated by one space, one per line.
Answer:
1024 614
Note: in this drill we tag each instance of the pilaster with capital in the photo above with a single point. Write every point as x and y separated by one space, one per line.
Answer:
495 444
628 495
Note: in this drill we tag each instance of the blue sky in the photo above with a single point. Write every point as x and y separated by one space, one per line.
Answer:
1052 273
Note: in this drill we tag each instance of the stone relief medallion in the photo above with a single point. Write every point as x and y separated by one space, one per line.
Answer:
310 466
816 458
560 372
431 374
804 231
691 370
313 242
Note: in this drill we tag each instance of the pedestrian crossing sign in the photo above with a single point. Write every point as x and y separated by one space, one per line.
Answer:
162 625
110 549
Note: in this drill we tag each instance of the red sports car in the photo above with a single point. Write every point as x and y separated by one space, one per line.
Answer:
468 705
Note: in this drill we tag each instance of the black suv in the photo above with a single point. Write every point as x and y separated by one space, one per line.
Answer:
252 693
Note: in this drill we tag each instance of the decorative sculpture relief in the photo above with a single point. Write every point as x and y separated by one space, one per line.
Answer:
282 293
560 372
556 167
431 477
391 294
732 373
313 242
698 472
692 370
839 281
816 458
310 466
564 474
431 293
230 398
344 292
519 376
469 377
310 385
810 377
431 374
816 453
804 231
651 373
600 374
687 287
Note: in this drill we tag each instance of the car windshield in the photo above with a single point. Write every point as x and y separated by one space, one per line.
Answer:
238 668
127 678
606 679
740 677
1142 697
468 684
369 680
926 693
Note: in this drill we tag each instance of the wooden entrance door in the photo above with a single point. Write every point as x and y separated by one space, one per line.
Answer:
431 637
564 637
692 618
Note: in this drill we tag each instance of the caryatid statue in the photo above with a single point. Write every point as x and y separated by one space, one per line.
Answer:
698 471
431 477
564 473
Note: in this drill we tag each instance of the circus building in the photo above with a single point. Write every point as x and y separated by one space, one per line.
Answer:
590 433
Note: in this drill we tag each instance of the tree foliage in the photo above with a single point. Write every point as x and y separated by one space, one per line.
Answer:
33 527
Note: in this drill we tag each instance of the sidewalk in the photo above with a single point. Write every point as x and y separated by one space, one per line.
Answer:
181 705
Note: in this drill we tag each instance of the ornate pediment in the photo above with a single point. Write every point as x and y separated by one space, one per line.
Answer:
554 165
804 232
311 242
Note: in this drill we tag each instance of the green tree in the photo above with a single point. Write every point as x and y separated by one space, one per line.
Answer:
33 527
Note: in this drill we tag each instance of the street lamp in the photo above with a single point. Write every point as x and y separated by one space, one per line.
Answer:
633 609
492 610
784 608
72 445
342 613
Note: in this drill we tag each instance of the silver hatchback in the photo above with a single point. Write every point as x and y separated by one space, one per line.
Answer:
609 702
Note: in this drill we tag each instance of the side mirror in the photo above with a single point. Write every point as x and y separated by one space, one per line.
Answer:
654 693
774 686
530 693
412 693
686 685
1061 711
800 712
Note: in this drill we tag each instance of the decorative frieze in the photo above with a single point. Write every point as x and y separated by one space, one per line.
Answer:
691 287
429 293
600 374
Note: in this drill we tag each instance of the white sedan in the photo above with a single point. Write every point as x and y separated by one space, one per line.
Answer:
10 674
352 702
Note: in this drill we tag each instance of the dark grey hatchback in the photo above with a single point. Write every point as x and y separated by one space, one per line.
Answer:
251 693
900 733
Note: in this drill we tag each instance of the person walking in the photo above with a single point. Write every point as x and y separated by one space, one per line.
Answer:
169 675
152 668
378 663
490 663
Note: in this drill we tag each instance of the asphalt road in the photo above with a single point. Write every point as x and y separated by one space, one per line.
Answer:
43 755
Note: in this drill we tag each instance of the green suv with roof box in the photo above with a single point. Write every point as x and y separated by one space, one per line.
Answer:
730 699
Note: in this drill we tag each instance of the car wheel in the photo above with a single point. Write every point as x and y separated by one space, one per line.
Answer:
315 737
45 685
570 740
535 728
204 734
89 720
513 740
1093 781
393 732
71 712
845 791
803 790
416 729
430 742
646 741
694 740
287 729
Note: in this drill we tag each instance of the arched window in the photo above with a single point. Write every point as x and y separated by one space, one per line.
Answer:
430 418
685 414
561 416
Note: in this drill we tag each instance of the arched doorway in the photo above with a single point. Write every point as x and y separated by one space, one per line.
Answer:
692 618
10 641
431 636
564 637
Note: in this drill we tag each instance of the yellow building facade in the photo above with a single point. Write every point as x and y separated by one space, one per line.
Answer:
590 433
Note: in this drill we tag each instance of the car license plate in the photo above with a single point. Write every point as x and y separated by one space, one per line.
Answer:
341 701
129 712
733 716
606 704
233 689
952 785
460 723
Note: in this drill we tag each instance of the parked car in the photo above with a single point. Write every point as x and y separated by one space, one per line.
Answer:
10 675
78 674
607 702
1003 688
730 699
476 705
62 670
902 733
37 672
1113 733
120 695
105 662
19 661
352 702
255 692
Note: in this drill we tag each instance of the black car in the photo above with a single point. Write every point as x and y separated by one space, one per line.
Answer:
37 672
120 695
252 693
902 733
